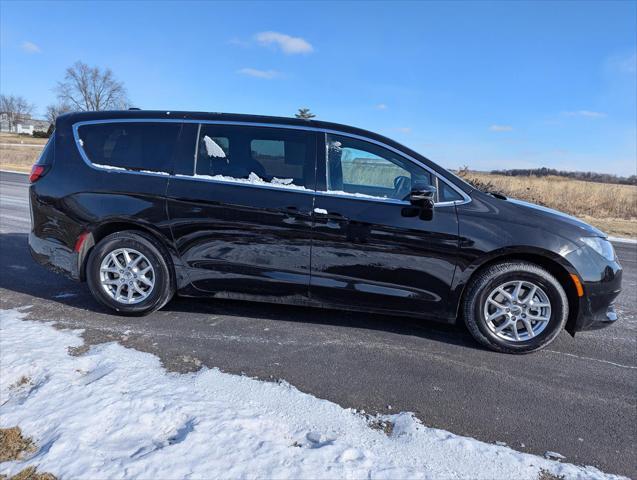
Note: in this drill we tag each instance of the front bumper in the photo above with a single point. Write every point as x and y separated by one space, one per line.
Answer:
601 281
597 312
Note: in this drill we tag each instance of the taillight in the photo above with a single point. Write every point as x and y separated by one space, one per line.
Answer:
80 241
37 172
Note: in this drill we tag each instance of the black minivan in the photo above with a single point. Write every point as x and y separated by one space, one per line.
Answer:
144 204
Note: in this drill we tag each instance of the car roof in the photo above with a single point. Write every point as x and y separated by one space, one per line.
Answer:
218 116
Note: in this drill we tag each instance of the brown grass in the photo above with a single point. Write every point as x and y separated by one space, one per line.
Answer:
23 139
612 208
30 473
13 446
546 475
23 380
19 152
18 158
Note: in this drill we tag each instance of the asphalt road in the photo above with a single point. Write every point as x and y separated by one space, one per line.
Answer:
577 397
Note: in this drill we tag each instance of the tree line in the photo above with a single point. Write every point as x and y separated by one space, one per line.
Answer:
84 88
585 176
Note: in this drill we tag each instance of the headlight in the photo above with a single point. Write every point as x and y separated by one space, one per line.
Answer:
601 246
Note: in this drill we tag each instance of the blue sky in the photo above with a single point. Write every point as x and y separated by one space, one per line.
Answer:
484 84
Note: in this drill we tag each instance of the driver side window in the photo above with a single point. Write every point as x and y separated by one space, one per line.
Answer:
361 168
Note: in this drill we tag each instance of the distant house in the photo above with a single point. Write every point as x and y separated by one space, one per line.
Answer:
26 125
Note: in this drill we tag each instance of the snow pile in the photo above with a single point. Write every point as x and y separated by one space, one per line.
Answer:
253 179
122 169
114 412
109 167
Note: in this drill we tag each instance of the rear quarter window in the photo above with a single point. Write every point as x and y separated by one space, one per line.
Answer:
138 146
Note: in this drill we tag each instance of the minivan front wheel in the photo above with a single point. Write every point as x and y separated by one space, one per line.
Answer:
515 307
127 272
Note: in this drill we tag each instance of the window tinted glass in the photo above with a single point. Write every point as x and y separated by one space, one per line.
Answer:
358 167
446 193
282 157
131 145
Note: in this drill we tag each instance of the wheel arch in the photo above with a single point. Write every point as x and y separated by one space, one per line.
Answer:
554 264
104 229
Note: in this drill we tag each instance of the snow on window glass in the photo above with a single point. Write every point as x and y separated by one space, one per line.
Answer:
253 179
213 149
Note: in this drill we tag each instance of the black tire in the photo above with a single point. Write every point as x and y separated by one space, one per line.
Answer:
164 284
493 276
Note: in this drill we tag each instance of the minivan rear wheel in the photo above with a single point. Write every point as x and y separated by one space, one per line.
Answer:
515 307
126 271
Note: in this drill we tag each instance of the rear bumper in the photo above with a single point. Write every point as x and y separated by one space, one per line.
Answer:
55 256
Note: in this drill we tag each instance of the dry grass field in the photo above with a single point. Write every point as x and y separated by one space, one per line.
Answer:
19 152
611 208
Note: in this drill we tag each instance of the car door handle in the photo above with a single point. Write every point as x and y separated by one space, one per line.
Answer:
320 211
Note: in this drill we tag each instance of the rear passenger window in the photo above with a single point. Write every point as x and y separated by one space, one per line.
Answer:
277 157
138 146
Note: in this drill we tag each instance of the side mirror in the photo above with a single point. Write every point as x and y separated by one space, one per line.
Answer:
423 196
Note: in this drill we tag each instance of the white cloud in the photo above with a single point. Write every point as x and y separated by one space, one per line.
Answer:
623 63
31 47
381 106
403 129
238 42
628 64
254 72
584 113
289 45
500 128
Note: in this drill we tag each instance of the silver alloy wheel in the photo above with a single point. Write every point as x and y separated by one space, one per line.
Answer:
517 311
127 276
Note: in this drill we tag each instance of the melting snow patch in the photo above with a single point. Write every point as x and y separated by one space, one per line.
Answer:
115 412
253 179
122 169
65 295
212 148
553 455
109 167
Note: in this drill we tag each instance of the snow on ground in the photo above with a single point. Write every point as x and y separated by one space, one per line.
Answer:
115 412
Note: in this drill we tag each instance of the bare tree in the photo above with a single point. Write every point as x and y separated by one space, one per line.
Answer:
16 108
304 113
91 88
53 111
